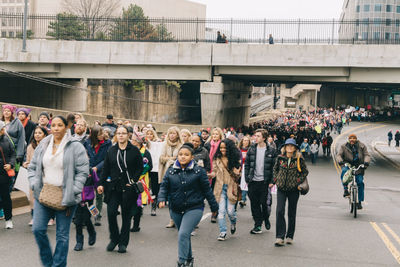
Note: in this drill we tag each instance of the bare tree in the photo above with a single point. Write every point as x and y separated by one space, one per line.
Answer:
94 12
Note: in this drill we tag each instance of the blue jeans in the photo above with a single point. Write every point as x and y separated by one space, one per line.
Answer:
360 183
244 195
41 217
186 222
225 207
314 157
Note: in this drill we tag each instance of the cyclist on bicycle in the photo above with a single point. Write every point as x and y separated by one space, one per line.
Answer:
354 153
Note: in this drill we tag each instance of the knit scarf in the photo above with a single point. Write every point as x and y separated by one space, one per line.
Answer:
172 144
213 150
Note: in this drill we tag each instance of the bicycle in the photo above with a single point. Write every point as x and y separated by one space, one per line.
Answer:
353 189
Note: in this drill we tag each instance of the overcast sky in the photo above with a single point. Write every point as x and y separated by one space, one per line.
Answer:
273 9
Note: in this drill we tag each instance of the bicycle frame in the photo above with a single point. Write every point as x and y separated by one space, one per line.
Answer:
353 190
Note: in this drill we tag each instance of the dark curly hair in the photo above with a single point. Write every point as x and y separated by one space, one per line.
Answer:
232 153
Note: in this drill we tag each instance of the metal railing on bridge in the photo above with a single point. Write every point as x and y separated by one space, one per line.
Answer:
300 31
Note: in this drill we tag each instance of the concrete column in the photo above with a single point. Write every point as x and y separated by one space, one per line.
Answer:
75 100
225 103
212 101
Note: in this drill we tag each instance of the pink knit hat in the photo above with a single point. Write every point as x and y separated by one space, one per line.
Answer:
10 107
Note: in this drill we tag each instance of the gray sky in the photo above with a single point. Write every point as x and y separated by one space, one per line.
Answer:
273 9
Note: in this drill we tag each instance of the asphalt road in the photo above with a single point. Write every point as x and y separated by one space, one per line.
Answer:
326 233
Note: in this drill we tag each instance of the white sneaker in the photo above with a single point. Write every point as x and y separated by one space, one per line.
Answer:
9 224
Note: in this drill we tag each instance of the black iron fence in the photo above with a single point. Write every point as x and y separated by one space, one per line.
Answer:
300 31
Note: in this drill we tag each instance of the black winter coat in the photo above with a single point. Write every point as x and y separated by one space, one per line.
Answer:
250 163
9 155
202 154
29 130
186 189
134 162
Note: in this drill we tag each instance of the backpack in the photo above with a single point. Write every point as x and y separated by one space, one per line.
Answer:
325 142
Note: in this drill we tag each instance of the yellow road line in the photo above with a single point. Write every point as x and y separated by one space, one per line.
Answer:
387 242
395 236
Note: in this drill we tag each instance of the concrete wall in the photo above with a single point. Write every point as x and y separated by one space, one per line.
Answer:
145 109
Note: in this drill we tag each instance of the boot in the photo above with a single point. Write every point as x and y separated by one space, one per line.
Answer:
79 243
92 238
136 220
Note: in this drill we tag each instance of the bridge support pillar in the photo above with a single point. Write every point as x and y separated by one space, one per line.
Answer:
74 99
225 103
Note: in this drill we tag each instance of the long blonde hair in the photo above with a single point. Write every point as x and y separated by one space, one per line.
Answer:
186 131
178 132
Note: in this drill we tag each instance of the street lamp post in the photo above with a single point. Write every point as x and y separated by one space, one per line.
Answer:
24 29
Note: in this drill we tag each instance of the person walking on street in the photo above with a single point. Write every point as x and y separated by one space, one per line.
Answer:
168 156
258 166
7 162
390 137
29 126
15 131
226 169
60 165
305 148
314 148
38 135
122 168
152 145
290 171
144 198
244 146
330 141
186 185
397 138
97 148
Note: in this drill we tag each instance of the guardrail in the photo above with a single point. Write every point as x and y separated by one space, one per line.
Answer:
300 31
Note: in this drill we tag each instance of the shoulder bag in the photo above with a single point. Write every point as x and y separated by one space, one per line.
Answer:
10 172
51 197
304 187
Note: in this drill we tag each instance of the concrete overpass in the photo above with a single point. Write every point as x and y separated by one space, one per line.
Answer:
225 69
200 61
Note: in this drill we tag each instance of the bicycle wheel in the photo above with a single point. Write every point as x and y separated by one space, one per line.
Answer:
354 196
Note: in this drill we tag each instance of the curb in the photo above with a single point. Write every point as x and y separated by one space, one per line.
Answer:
392 162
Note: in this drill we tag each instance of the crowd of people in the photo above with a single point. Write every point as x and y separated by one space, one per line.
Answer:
73 168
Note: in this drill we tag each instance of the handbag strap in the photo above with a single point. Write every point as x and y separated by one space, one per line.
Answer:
2 155
231 174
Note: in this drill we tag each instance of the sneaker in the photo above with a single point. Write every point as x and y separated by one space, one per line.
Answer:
153 212
121 249
267 224
256 230
213 219
30 223
51 222
190 262
346 193
193 233
279 242
222 237
241 204
359 206
97 220
289 241
9 224
171 224
111 246
233 228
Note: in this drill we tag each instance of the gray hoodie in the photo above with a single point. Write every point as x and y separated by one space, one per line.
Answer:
76 170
